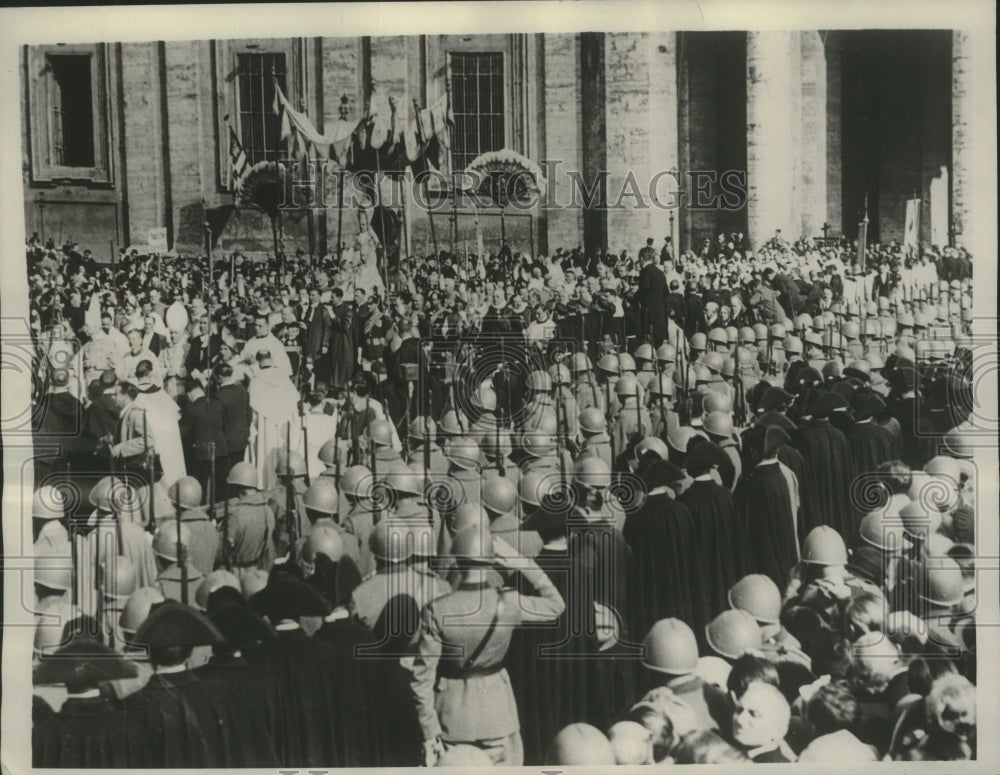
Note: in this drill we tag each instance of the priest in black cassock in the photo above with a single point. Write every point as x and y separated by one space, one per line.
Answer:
829 469
721 543
89 731
765 503
661 535
871 443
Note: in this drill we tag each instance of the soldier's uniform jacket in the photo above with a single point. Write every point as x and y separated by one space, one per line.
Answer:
663 421
511 470
646 377
205 541
462 690
587 395
278 500
599 446
359 523
566 407
171 582
351 549
384 456
626 430
370 597
466 487
251 531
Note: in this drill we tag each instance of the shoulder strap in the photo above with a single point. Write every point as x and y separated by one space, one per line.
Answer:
489 632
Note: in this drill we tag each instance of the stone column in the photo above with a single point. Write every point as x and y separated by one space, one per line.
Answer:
813 168
973 179
771 152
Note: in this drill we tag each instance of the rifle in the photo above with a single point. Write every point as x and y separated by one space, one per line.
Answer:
593 384
685 409
211 480
305 438
291 517
227 560
181 554
376 515
427 449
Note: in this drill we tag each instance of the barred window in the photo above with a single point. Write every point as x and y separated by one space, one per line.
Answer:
477 105
260 132
72 102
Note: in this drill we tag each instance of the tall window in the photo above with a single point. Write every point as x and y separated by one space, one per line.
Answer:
477 105
72 104
260 132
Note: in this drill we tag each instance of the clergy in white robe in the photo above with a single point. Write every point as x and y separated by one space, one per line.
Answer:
276 426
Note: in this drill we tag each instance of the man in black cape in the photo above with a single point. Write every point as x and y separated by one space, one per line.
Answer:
304 676
652 299
766 505
721 544
829 469
90 730
871 443
661 535
181 720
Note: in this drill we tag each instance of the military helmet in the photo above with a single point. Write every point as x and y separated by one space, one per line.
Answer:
463 453
759 596
666 353
747 335
878 531
626 363
777 332
49 503
380 433
328 452
560 374
732 633
322 496
473 544
99 497
651 445
243 475
213 582
325 540
718 424
538 445
165 540
592 420
579 363
718 336
422 428
580 744
454 423
137 608
760 332
644 352
824 546
185 492
671 647
713 361
717 402
485 399
352 479
698 341
499 494
627 386
609 364
122 580
792 345
291 463
389 542
592 473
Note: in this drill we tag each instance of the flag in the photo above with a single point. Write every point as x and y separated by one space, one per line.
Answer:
238 164
911 229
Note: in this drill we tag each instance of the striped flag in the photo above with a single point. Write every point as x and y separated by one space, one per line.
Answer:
238 164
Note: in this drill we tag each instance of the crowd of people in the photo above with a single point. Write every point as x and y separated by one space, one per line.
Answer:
578 509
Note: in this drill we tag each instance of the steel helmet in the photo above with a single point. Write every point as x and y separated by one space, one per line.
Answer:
243 475
627 386
356 481
651 445
609 364
468 515
322 496
499 494
747 335
453 423
713 361
390 543
803 321
165 540
818 323
541 420
732 335
718 336
777 332
760 332
679 436
137 608
644 352
580 744
718 424
380 433
531 488
732 633
878 531
942 581
579 363
464 755
814 339
53 571
405 480
560 374
485 399
939 545
185 492
792 344
666 353
538 444
292 463
873 327
851 330
729 368
462 453
325 540
959 442
122 580
745 358
328 453
626 363
759 596
919 522
920 320
698 341
592 473
671 647
717 402
422 428
473 544
830 316
214 581
824 546
661 385
944 467
592 420
99 497
50 502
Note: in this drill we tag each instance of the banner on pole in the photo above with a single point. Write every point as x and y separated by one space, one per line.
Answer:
862 241
156 240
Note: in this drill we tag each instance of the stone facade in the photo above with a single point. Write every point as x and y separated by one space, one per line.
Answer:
809 122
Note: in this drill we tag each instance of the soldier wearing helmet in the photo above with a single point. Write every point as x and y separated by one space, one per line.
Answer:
185 496
631 423
671 661
462 690
585 390
595 441
645 360
321 502
500 500
167 541
464 471
48 517
423 434
251 526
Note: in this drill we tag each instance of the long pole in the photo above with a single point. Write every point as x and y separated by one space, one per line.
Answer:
340 212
